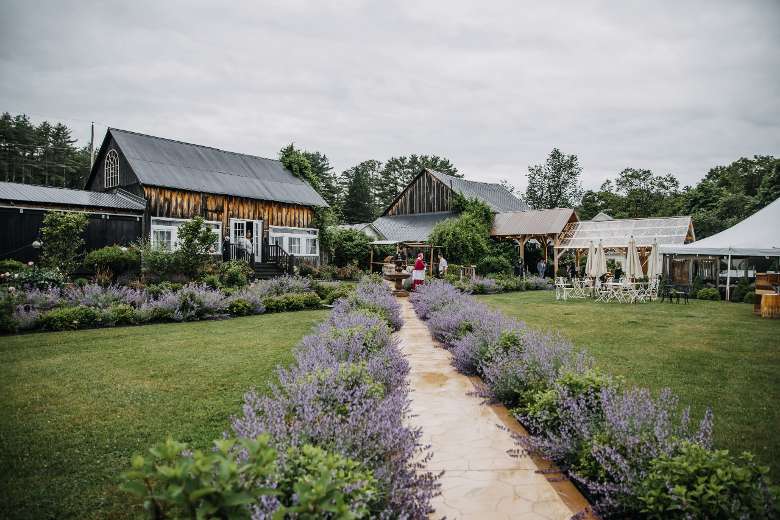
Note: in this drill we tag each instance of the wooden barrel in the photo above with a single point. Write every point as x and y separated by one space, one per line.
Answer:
770 306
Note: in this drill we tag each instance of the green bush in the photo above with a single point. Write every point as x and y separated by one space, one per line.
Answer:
509 282
291 302
307 270
8 324
39 277
349 272
699 483
116 259
209 484
349 246
708 293
11 266
212 280
737 294
156 289
240 307
235 273
750 297
494 265
70 318
62 234
463 239
316 484
332 292
121 314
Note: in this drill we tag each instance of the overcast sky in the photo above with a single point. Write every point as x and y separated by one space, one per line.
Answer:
676 87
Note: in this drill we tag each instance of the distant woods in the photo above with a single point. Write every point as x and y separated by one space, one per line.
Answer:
47 154
43 154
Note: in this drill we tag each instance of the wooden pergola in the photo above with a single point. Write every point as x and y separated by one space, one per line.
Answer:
405 245
545 226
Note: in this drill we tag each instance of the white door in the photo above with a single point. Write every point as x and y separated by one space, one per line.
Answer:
251 229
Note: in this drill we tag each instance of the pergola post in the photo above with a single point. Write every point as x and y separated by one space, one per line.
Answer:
430 266
371 259
555 256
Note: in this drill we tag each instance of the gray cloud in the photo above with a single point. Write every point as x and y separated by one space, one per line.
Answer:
671 86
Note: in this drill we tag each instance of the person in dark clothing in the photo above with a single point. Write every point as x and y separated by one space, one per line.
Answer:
572 272
226 248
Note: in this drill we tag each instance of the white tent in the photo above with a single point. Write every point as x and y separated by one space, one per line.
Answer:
757 235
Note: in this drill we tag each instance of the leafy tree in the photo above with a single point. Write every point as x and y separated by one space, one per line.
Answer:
556 183
296 161
399 171
196 243
358 184
349 246
62 234
323 171
465 239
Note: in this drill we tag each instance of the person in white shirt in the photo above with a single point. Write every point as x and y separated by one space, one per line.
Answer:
245 243
443 265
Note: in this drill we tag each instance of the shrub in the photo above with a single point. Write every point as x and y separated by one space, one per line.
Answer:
62 234
116 259
196 244
308 270
282 285
157 289
121 314
699 483
11 266
316 484
240 307
70 318
39 277
235 273
291 302
509 282
708 293
537 283
8 322
737 294
349 272
349 247
330 292
212 281
750 297
175 483
494 265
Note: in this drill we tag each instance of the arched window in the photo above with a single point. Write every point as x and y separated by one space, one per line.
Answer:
112 169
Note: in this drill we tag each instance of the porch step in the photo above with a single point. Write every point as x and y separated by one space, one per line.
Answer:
267 270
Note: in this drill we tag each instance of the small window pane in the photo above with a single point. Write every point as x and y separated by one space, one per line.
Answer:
311 246
295 245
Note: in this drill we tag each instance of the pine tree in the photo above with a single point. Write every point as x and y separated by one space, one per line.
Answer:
359 198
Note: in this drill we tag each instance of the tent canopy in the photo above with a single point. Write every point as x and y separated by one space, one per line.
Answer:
757 235
616 233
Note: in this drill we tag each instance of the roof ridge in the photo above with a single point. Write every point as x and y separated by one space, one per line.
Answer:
45 186
191 144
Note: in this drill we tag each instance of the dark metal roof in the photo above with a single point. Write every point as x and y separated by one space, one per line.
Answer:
31 194
494 195
157 161
410 228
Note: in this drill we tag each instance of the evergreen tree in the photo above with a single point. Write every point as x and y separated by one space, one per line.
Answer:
323 171
359 199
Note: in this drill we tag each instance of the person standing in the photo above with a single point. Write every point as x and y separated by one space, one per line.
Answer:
226 248
572 271
443 265
418 275
541 267
245 242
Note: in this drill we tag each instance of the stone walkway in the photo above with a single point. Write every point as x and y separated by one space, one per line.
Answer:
481 480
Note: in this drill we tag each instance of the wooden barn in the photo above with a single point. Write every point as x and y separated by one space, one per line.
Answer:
146 186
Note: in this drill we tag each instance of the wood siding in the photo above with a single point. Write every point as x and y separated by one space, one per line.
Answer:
172 203
425 194
127 178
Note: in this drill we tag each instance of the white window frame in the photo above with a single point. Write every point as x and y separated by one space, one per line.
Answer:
111 170
173 224
286 232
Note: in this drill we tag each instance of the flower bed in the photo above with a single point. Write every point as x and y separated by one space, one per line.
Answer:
92 305
344 398
633 454
499 283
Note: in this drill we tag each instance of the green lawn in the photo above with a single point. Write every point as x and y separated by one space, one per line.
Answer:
75 406
710 353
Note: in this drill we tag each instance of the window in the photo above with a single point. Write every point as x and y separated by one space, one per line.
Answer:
111 173
296 241
164 233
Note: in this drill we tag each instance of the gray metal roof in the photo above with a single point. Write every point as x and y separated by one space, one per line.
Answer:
494 195
31 194
601 217
175 164
410 228
533 222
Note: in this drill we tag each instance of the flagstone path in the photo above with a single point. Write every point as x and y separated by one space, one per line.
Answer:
481 480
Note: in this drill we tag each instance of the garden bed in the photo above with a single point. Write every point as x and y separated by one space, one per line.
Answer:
632 453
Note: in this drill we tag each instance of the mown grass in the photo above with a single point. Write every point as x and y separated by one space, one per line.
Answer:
709 353
75 406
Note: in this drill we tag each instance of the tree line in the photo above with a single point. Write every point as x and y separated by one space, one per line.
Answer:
44 154
725 196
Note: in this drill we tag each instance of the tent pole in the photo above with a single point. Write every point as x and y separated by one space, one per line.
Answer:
728 279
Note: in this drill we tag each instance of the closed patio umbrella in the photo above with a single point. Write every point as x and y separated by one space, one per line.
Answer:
633 264
590 265
600 268
654 262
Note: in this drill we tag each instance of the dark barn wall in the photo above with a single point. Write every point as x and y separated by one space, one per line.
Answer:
171 203
425 194
127 179
19 230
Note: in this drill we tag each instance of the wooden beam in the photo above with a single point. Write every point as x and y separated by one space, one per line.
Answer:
555 256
